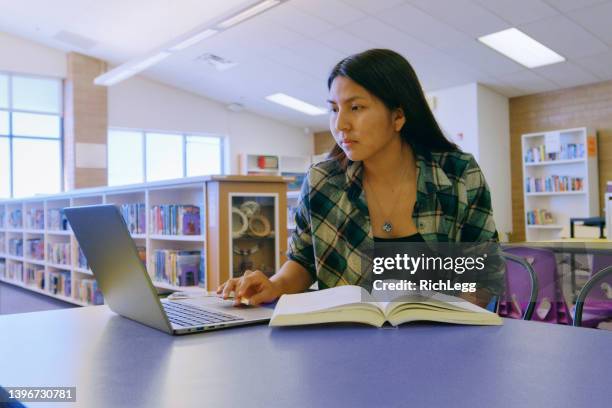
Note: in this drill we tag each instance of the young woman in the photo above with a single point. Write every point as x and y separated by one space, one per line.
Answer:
392 176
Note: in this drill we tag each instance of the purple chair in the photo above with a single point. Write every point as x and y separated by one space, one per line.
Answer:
550 305
597 301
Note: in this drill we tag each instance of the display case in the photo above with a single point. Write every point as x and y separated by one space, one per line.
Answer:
247 228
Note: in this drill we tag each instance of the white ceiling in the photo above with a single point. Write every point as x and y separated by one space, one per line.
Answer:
292 47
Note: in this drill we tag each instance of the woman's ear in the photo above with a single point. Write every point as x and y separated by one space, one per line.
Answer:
399 119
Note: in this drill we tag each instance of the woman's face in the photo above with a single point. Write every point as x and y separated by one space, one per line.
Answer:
361 123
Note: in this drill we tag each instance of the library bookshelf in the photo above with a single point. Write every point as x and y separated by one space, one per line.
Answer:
38 250
560 179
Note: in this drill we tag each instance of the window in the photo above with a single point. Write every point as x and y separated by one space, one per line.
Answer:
30 135
125 157
136 156
164 156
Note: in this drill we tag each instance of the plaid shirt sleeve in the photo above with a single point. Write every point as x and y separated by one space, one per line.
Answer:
479 226
300 248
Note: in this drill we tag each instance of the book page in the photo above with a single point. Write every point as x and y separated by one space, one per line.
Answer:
322 300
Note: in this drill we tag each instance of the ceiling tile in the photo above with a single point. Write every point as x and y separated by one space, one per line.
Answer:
566 74
295 19
344 42
596 19
527 82
502 89
382 35
373 7
333 11
483 58
564 36
599 64
464 15
568 5
519 11
422 26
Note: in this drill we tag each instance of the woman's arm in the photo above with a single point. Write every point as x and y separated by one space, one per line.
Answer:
479 227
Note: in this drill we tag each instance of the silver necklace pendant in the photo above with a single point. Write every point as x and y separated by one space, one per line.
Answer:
387 227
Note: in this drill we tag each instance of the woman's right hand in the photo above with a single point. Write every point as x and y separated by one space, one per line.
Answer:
254 286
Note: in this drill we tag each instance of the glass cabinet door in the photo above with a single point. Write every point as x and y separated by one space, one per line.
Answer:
253 239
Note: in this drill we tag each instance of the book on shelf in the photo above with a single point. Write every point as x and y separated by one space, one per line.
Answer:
60 283
14 271
35 219
57 221
135 217
86 290
35 248
354 304
553 184
58 253
540 216
2 268
15 219
179 268
35 276
175 219
569 151
82 260
15 246
1 219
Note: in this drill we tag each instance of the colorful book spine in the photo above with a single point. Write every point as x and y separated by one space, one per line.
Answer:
82 261
179 268
35 249
87 291
57 220
174 219
14 271
60 283
58 253
135 217
568 151
35 219
35 276
553 184
540 217
15 219
15 246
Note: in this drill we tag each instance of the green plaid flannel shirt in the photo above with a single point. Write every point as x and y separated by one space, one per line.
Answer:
333 234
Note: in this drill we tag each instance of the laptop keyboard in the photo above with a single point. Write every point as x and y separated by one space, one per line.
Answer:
183 314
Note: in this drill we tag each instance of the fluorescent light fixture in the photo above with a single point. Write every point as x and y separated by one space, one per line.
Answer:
296 104
193 40
250 12
125 71
523 49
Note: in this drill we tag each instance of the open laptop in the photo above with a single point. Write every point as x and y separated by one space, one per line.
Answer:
127 287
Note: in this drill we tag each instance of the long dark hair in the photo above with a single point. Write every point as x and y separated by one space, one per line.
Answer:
388 76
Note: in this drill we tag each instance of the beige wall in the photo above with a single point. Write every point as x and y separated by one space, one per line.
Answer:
588 105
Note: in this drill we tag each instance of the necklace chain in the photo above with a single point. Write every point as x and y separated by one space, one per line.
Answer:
387 225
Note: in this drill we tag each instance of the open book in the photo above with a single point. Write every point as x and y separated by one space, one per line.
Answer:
355 304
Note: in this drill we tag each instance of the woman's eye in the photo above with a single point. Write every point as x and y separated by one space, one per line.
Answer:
333 109
356 107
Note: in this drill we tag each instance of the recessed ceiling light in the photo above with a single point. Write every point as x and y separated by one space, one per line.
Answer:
296 104
523 49
264 5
